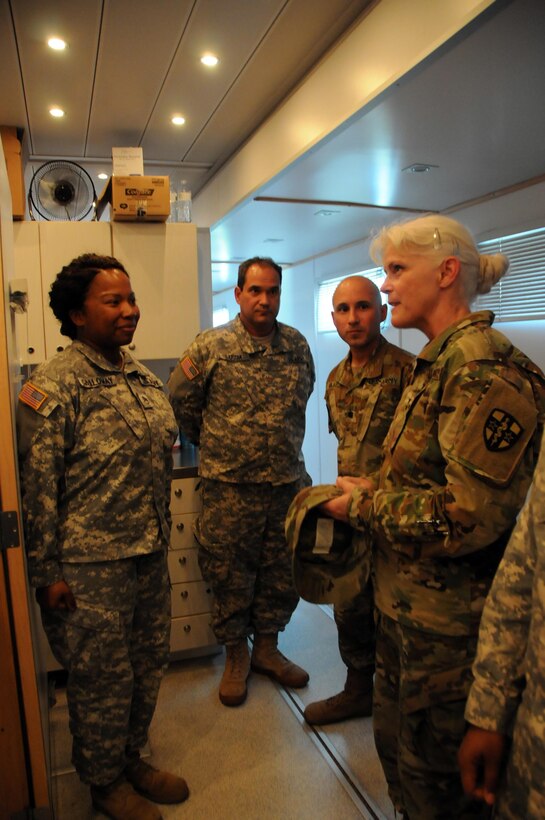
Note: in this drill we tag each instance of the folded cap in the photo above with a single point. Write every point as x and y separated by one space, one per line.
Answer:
331 560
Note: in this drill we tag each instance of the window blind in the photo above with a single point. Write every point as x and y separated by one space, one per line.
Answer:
520 294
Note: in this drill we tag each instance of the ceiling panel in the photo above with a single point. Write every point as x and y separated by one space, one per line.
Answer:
292 46
233 33
57 78
137 45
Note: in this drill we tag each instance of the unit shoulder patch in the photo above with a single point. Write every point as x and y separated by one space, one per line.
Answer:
190 369
501 430
33 396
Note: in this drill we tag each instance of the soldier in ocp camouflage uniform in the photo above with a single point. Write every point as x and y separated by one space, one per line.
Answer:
362 393
459 459
240 392
95 441
507 698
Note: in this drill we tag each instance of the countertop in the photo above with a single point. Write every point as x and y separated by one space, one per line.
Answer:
186 461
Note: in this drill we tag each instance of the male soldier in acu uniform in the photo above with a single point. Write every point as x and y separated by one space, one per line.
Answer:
240 393
362 393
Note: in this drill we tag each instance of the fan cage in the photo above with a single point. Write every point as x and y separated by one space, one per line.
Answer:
62 191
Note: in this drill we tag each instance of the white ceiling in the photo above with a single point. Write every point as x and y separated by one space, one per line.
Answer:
474 108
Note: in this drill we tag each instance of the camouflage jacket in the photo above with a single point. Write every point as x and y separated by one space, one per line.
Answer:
362 404
508 694
243 402
458 463
95 447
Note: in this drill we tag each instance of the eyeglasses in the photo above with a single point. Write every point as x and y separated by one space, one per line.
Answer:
436 239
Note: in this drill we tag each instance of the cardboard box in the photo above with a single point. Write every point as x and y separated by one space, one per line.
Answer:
12 153
136 199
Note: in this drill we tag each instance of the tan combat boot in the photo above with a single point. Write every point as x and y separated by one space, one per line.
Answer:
233 689
267 659
355 700
120 802
161 787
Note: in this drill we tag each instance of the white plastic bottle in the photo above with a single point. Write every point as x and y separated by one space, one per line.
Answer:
184 202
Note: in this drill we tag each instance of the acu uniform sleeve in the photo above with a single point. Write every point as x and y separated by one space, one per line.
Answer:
486 424
187 389
503 636
42 428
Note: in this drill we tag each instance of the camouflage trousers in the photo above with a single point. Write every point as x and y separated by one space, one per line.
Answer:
115 648
356 627
244 557
421 686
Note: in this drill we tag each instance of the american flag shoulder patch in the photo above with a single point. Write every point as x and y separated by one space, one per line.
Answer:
33 396
191 371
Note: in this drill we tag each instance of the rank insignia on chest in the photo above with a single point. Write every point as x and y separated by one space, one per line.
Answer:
501 431
191 371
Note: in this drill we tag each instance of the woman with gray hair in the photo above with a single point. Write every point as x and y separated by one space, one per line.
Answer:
458 461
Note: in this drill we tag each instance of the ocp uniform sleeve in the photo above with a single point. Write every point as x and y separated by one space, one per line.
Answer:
476 440
187 390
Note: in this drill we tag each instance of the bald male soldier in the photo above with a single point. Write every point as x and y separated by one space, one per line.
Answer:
240 393
362 393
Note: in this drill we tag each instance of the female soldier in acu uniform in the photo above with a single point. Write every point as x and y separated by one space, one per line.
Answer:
95 440
458 461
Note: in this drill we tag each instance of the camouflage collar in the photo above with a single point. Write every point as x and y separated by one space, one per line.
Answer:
100 361
372 370
432 350
249 343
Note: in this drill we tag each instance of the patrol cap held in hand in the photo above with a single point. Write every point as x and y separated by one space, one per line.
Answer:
331 560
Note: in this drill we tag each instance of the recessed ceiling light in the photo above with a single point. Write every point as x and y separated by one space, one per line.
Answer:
56 43
209 60
418 168
56 112
177 119
102 175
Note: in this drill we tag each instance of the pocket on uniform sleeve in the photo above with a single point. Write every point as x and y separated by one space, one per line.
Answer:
493 437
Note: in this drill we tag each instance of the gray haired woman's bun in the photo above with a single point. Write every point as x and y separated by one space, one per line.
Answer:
491 269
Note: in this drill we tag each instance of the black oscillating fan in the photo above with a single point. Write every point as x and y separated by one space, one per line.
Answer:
61 190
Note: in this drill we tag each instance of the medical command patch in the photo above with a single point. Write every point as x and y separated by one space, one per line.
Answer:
32 395
501 431
191 371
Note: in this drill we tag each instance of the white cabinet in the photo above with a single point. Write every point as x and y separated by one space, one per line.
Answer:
161 259
29 326
191 630
60 242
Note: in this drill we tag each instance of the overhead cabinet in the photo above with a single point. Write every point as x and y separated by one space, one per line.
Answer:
160 258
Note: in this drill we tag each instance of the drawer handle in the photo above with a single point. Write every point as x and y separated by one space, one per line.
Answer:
178 493
182 561
184 594
180 526
187 628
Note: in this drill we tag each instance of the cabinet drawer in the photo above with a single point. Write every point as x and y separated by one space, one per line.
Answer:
181 534
191 633
183 566
185 496
191 599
